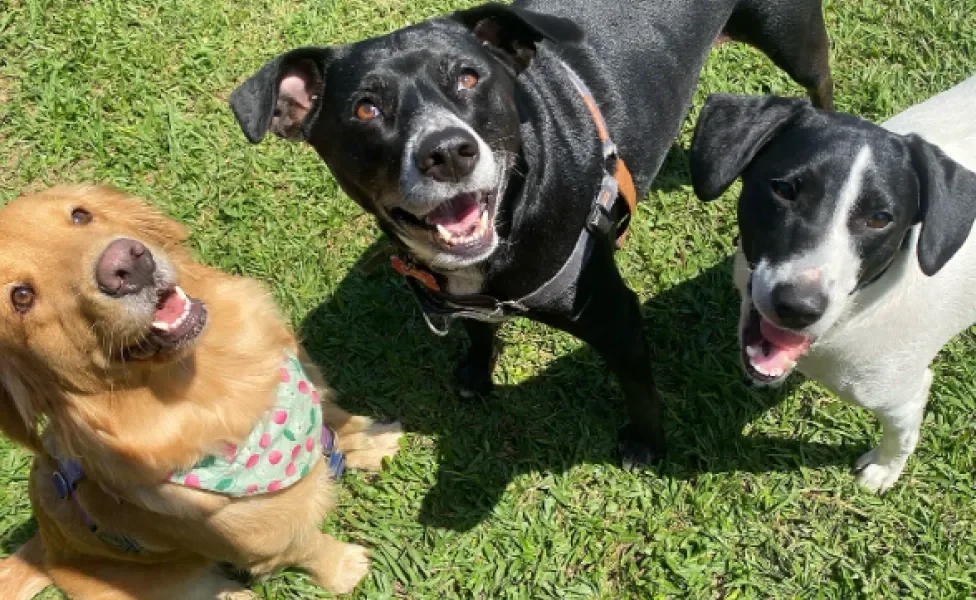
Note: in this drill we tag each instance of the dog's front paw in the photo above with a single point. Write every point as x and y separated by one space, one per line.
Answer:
876 474
369 447
350 568
636 452
473 380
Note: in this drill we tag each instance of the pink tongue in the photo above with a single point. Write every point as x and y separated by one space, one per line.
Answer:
781 337
784 348
459 216
170 308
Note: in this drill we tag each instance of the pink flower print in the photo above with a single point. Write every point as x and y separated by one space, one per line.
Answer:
315 397
275 457
285 375
290 470
265 441
295 451
251 489
274 486
303 386
279 417
252 461
230 452
310 444
192 481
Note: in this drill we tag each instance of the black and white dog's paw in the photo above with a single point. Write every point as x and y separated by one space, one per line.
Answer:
635 451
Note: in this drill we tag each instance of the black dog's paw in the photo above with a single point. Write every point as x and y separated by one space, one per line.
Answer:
473 382
635 452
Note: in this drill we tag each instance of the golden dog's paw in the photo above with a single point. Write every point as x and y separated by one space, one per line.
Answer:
238 595
367 449
350 569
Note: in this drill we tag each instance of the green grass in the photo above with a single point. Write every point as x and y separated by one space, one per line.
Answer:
517 497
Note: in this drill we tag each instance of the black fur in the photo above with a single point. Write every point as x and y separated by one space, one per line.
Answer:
641 59
771 141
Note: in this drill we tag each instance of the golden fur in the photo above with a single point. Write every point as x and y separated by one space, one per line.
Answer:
65 384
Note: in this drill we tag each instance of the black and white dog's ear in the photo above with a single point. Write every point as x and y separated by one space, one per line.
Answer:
946 204
283 95
515 31
731 130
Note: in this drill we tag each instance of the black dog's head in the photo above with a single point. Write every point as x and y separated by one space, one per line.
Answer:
420 126
827 201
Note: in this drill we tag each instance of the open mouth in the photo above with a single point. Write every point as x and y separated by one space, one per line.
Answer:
177 322
462 224
769 352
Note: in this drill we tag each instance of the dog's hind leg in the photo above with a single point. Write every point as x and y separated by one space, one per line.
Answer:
793 35
91 579
22 575
901 423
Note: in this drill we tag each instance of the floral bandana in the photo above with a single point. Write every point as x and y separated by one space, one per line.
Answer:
280 450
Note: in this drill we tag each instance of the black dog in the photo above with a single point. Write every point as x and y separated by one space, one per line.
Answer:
475 141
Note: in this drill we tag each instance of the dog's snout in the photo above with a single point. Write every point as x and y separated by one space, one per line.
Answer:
125 267
448 155
799 305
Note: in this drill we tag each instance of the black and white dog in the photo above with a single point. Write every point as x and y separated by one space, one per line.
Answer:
503 148
856 262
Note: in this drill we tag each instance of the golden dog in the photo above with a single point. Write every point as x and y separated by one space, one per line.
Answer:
125 365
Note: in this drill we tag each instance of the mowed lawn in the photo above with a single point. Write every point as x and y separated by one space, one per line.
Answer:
517 497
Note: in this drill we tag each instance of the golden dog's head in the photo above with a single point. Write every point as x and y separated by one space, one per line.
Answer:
89 291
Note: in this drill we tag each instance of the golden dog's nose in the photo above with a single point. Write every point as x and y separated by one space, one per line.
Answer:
125 267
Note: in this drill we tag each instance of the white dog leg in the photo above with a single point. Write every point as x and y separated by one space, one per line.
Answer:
901 422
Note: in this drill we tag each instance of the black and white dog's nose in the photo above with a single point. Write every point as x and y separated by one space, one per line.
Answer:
447 155
799 305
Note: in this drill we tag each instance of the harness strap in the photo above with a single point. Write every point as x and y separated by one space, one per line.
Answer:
620 184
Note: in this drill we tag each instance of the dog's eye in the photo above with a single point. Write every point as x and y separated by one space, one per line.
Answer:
22 298
366 111
467 80
783 189
80 216
879 220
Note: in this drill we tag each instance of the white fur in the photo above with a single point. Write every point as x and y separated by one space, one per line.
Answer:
425 194
876 354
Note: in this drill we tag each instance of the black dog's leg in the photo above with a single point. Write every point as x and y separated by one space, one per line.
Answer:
792 33
611 324
475 368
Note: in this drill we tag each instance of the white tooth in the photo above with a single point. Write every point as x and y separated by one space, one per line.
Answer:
179 292
791 364
444 233
752 351
160 325
483 226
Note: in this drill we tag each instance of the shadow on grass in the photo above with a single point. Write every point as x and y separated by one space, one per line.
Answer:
375 348
17 536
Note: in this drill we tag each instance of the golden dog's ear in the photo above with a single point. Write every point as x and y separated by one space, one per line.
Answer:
18 420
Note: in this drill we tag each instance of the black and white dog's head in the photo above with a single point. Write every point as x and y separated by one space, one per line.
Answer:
420 126
827 202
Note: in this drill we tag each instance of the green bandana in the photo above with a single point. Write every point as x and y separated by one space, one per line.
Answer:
279 451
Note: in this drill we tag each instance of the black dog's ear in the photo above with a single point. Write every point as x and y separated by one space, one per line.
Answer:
515 31
731 130
283 95
946 204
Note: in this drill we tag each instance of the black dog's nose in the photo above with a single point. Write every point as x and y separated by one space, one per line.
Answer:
125 267
448 155
799 305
